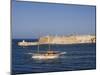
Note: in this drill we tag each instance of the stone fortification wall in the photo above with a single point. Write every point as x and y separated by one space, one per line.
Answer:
67 39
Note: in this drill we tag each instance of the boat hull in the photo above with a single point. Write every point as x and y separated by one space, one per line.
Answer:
45 57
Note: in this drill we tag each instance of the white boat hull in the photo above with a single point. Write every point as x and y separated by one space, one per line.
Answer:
45 57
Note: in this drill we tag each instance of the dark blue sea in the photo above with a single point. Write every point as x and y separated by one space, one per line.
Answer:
77 57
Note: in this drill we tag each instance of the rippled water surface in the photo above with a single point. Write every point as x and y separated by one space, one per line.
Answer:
77 57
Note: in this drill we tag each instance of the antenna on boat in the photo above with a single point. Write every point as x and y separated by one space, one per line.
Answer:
38 47
49 41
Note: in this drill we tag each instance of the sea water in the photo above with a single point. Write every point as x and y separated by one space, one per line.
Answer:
76 57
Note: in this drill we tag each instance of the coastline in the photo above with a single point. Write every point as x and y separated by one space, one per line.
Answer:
73 39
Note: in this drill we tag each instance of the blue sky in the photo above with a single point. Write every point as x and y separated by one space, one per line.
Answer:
31 19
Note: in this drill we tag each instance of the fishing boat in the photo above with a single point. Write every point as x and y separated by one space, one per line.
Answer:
46 55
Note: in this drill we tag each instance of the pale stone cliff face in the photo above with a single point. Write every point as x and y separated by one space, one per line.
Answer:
67 39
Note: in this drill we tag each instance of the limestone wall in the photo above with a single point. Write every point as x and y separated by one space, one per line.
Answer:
67 39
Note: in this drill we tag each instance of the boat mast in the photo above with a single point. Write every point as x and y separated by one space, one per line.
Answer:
49 42
38 45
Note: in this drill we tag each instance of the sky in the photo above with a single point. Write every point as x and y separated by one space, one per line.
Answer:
34 19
